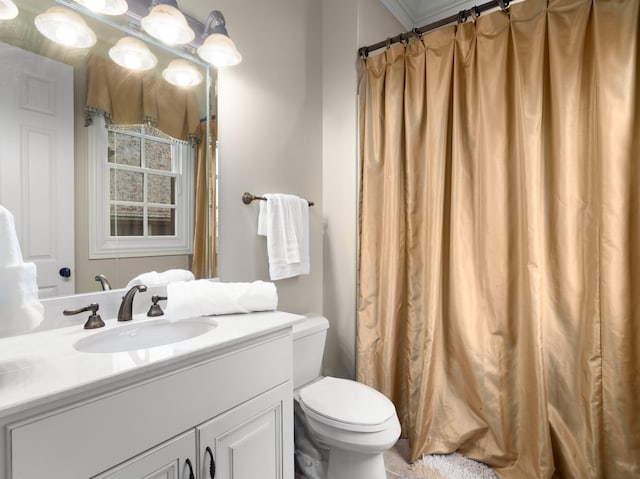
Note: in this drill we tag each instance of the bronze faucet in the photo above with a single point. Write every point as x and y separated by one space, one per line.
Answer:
126 307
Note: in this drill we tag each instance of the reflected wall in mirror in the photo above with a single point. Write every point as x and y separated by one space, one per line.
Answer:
120 188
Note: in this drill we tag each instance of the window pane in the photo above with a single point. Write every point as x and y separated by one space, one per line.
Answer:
162 221
127 186
124 149
157 155
161 189
127 220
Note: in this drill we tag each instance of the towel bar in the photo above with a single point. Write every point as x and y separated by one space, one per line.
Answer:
247 198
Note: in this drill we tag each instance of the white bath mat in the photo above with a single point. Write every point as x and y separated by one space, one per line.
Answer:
449 466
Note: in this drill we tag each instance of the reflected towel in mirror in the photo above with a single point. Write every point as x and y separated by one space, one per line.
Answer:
21 308
153 278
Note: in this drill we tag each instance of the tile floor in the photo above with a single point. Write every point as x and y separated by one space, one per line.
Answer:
395 460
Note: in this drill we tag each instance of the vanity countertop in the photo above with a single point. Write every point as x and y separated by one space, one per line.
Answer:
44 366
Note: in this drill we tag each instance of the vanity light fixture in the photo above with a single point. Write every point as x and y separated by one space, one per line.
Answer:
133 54
182 73
167 24
65 28
217 48
8 10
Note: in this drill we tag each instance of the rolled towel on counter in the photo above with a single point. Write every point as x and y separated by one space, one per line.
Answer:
204 298
153 278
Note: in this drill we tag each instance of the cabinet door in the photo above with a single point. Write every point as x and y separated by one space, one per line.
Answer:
253 440
174 459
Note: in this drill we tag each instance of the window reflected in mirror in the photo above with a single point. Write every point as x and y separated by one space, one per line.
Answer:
143 173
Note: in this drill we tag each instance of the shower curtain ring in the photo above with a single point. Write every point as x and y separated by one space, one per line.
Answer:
462 16
475 13
504 5
388 43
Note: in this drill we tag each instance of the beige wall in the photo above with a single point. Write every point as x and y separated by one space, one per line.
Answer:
347 25
270 130
288 124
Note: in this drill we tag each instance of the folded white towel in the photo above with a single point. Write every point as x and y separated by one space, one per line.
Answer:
153 278
21 308
10 253
190 299
284 220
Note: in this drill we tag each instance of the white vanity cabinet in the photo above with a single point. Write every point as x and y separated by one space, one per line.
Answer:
174 459
246 442
236 401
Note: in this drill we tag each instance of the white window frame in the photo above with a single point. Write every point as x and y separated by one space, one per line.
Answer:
101 243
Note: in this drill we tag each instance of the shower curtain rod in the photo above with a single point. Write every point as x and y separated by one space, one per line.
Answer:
460 17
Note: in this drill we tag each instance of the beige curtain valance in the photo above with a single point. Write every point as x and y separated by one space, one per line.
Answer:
134 98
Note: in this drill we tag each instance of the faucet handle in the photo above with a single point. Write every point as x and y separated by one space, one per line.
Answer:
94 321
155 309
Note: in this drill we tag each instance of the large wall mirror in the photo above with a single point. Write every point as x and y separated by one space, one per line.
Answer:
105 167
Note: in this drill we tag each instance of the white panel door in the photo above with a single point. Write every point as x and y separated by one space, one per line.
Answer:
36 162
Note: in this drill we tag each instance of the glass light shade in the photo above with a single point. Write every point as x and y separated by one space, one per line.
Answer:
106 7
133 54
115 7
182 73
8 10
93 5
65 27
220 51
168 24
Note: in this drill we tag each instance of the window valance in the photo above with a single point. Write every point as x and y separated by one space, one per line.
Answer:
127 97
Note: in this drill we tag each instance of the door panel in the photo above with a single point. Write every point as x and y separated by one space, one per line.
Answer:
36 161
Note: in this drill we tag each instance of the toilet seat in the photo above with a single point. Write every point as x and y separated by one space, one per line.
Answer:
347 405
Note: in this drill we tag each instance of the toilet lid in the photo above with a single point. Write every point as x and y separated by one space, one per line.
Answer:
347 402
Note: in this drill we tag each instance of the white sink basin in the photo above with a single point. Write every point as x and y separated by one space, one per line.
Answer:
148 334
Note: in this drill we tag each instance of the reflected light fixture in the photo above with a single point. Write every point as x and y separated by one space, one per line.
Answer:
218 49
182 73
65 28
8 10
106 7
133 54
167 24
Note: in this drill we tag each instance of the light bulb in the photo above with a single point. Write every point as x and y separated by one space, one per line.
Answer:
66 35
132 61
182 73
133 54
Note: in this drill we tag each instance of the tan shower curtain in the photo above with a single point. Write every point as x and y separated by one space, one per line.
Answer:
205 200
499 275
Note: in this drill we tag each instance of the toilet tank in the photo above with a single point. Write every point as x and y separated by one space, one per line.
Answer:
309 335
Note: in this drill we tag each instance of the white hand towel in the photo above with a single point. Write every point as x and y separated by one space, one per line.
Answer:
21 308
284 220
10 253
153 278
191 299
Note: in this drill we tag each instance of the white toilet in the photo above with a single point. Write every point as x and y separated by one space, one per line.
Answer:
350 423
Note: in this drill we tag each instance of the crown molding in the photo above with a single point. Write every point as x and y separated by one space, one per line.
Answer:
416 13
401 11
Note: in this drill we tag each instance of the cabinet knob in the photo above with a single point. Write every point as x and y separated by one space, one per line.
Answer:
65 272
212 464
